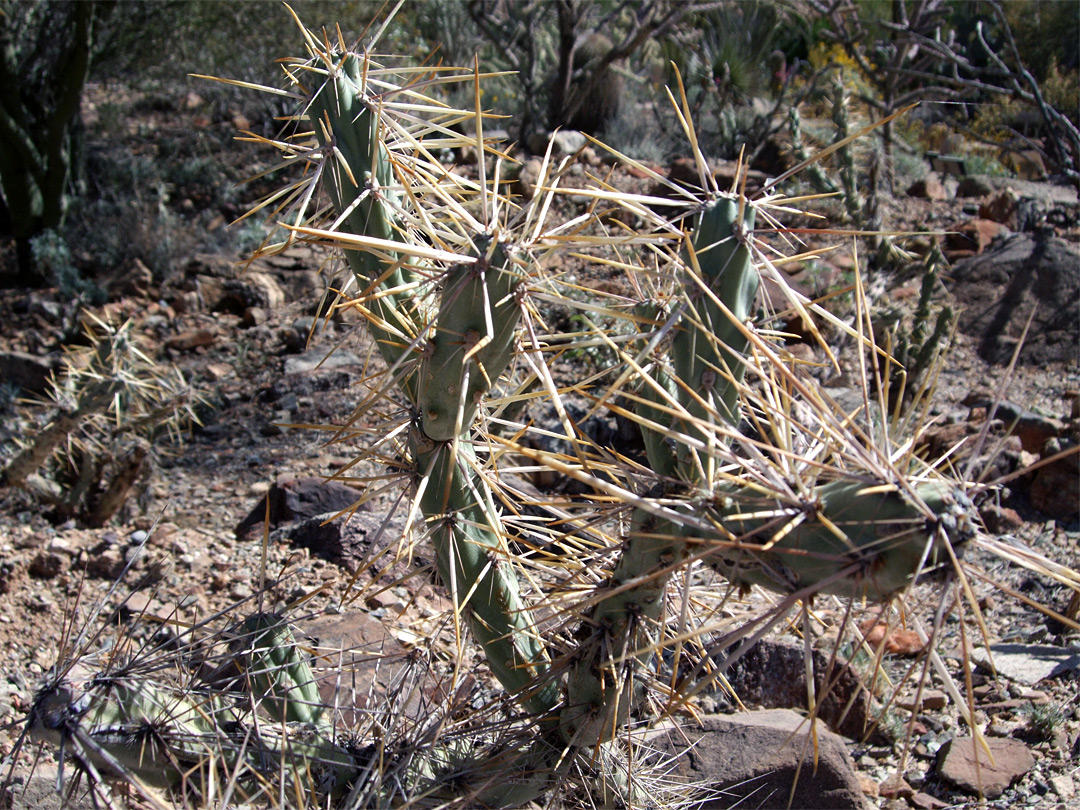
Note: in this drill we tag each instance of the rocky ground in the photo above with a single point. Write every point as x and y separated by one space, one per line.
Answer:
187 544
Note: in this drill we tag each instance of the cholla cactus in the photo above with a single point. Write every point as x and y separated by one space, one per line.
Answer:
748 468
109 403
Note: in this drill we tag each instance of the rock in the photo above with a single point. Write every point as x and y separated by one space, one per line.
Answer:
895 787
1027 663
973 237
929 188
773 674
105 562
1000 288
254 316
1000 519
355 664
38 791
345 541
293 499
235 295
191 339
924 801
1052 489
974 186
528 177
763 760
321 360
144 607
46 565
956 763
897 640
1032 428
219 371
932 700
1064 786
1015 211
135 279
563 142
28 372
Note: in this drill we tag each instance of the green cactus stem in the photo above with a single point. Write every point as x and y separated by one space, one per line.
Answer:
709 343
129 726
279 674
473 561
850 537
347 120
472 341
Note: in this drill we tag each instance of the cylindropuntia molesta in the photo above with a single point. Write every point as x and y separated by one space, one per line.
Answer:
748 468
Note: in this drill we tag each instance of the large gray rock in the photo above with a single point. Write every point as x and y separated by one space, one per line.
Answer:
1026 663
999 289
297 499
765 760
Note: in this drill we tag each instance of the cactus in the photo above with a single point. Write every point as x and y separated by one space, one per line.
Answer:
122 724
110 402
914 351
748 469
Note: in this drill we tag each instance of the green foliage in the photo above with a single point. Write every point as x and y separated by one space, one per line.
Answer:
1046 719
54 261
915 349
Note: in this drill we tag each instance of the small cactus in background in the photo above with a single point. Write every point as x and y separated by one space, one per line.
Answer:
109 404
916 350
748 469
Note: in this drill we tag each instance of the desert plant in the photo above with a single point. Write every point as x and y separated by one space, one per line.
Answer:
914 350
565 55
105 409
45 54
748 470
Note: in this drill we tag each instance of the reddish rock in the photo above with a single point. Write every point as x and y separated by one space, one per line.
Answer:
898 641
46 565
975 236
929 188
924 801
191 339
1000 519
1055 488
895 787
356 661
957 763
1001 207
